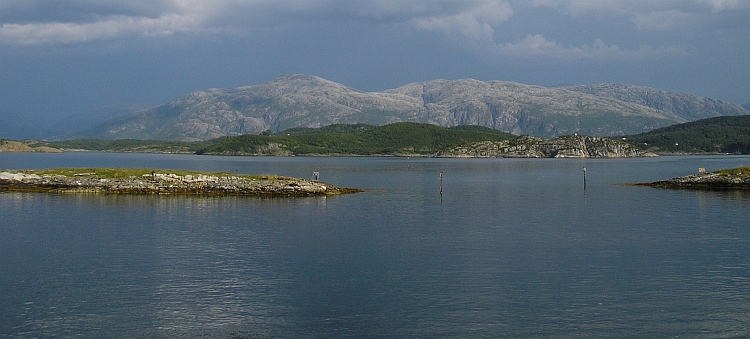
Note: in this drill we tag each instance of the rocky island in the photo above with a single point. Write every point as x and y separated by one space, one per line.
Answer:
735 178
146 181
569 146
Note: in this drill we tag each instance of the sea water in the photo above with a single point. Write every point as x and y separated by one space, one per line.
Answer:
511 248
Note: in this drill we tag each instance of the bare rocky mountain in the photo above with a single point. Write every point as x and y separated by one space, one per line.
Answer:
309 101
687 106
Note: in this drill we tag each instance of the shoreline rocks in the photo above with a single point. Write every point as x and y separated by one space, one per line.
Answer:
570 146
167 183
731 179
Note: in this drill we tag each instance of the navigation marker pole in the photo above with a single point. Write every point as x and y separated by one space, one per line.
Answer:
441 188
584 178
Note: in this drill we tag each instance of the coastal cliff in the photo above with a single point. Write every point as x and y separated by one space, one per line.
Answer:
142 181
570 146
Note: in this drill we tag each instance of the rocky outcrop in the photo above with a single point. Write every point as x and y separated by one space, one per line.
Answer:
168 183
271 149
737 178
571 146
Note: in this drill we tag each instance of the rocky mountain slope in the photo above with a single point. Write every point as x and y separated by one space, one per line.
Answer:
687 106
309 101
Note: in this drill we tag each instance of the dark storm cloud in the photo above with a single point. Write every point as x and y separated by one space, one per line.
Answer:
86 53
39 11
480 25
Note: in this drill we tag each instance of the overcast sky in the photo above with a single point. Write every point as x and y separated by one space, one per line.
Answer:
63 57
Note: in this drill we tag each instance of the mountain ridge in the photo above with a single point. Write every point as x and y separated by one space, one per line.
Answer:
300 100
660 99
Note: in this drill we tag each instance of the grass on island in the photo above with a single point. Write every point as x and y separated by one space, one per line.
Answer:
744 170
393 139
127 173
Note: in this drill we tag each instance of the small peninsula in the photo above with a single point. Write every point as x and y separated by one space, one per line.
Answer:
12 146
735 178
161 182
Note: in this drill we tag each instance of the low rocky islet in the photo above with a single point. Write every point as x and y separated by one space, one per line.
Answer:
729 179
158 182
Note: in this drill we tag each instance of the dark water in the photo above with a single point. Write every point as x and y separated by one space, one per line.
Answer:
513 248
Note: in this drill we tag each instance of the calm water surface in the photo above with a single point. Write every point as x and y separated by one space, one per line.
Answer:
513 248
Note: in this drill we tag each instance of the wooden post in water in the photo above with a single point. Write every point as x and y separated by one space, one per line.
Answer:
441 190
584 177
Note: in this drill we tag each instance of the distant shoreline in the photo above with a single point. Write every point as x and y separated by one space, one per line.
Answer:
56 150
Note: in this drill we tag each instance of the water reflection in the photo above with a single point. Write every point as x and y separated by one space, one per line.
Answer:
176 265
514 250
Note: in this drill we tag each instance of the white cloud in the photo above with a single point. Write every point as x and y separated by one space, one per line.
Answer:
69 22
481 28
632 7
106 20
661 20
482 25
105 29
476 24
539 46
582 7
722 5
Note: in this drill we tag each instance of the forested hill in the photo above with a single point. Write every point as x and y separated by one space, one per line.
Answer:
398 138
721 134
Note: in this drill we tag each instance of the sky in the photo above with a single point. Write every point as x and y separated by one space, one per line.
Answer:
65 57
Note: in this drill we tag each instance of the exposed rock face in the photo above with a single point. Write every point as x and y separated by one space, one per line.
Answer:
738 178
308 101
690 107
572 146
272 149
166 183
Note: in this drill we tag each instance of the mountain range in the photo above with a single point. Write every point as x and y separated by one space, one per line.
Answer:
309 101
